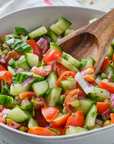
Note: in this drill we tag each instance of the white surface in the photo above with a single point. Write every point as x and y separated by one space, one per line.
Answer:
104 5
7 6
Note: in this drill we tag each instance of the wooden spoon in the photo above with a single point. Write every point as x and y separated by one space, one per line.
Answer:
92 40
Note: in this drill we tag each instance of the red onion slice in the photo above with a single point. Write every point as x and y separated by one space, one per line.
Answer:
105 80
99 122
83 73
29 80
111 97
19 70
108 111
43 44
110 74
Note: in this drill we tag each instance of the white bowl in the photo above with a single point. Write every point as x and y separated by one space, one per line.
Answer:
30 19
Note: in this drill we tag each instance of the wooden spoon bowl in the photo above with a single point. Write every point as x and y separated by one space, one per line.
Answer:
93 40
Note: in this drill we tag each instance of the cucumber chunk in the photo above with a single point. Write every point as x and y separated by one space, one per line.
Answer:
60 26
54 46
52 79
37 78
68 31
99 94
22 76
17 115
52 36
110 52
32 123
53 96
85 105
109 69
22 63
91 116
68 84
32 59
71 60
86 61
67 64
38 32
16 89
73 130
6 100
40 88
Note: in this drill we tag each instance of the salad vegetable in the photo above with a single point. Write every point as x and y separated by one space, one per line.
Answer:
45 91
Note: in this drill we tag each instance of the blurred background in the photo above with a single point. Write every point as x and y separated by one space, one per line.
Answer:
7 6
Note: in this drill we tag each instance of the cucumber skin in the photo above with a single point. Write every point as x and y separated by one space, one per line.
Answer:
17 115
52 79
16 89
73 130
85 105
89 119
6 100
39 84
54 46
36 33
99 94
67 64
53 96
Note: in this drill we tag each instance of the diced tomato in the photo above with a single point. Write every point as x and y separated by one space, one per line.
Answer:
27 94
51 56
2 68
1 118
39 103
61 129
112 118
40 118
41 131
43 70
64 76
67 92
12 54
72 95
108 86
50 113
76 119
4 37
102 106
60 69
60 119
6 76
12 124
81 95
34 45
2 107
113 58
104 65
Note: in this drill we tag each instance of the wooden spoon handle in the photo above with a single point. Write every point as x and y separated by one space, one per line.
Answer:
103 28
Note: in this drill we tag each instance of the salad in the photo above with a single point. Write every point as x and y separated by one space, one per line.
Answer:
45 91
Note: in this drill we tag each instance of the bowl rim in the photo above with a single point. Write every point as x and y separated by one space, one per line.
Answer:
56 6
63 136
